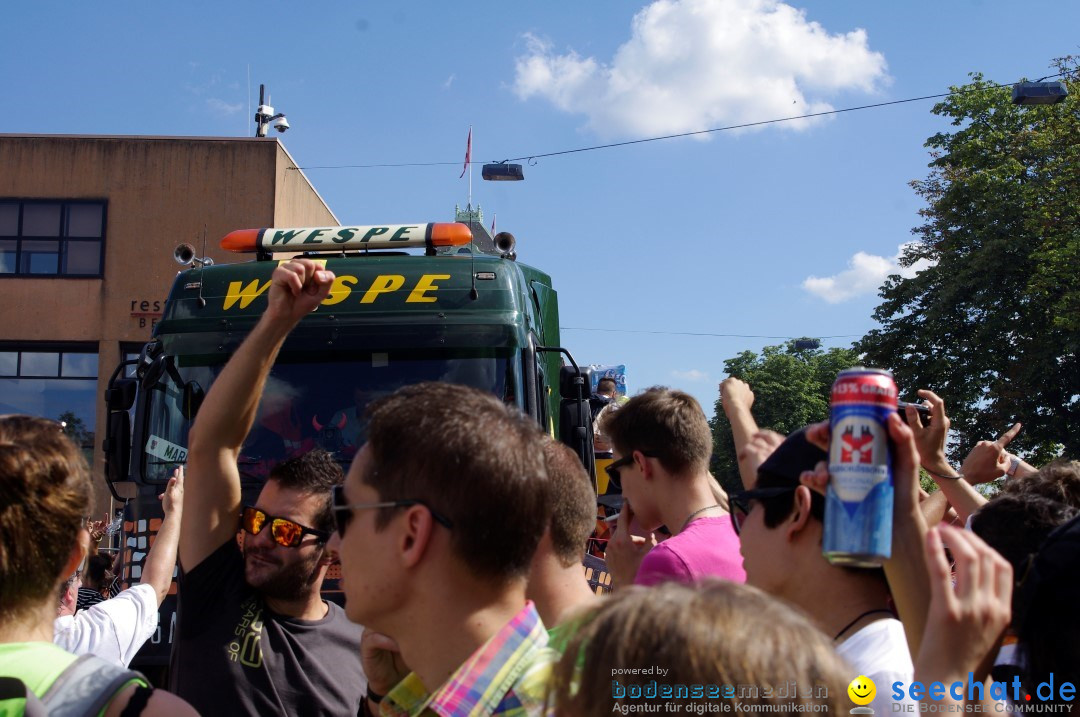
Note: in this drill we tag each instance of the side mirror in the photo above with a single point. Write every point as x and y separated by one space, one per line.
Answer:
117 449
120 395
575 382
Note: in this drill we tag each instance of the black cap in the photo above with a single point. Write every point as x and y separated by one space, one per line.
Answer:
789 460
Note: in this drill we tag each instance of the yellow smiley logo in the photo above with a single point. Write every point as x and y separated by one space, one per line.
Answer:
862 690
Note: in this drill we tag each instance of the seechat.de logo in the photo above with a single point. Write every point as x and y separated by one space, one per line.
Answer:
973 690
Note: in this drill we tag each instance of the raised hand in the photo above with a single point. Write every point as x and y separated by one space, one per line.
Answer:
964 622
989 460
930 440
172 499
625 551
735 394
297 287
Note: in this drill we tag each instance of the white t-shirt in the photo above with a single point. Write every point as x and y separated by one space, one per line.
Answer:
113 629
880 651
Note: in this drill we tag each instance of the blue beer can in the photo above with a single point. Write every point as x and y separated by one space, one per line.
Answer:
859 499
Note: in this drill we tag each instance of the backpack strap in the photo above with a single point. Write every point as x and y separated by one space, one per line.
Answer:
86 687
12 688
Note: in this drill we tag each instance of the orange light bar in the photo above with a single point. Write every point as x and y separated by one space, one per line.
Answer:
241 240
315 239
450 234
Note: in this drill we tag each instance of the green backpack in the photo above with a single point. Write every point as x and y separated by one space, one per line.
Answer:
82 690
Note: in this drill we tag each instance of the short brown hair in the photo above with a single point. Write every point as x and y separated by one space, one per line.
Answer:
666 422
573 503
1058 480
45 494
471 458
314 472
717 634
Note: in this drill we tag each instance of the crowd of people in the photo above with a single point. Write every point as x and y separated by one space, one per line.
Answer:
460 528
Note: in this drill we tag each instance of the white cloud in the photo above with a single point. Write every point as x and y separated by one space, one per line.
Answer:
449 81
696 64
222 107
864 275
692 374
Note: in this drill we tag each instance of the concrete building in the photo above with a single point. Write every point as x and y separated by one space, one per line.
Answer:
88 225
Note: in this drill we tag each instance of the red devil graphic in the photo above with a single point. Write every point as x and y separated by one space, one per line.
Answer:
857 450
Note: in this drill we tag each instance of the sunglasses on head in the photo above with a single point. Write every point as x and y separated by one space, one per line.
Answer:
343 511
612 469
740 502
286 533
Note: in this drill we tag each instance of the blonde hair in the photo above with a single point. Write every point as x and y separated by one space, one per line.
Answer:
732 642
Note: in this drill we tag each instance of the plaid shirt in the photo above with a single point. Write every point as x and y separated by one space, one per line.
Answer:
508 676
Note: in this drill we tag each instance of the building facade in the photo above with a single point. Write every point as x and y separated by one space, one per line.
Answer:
88 228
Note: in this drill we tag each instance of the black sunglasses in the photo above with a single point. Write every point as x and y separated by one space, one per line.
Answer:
343 511
286 533
740 502
612 469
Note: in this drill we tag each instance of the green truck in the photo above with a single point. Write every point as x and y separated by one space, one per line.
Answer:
411 303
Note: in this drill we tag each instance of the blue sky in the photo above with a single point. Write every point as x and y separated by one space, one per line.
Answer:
712 235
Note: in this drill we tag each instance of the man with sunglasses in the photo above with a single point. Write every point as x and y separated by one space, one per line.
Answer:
662 445
253 634
780 524
438 520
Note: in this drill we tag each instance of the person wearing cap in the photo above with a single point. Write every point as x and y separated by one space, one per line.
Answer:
780 524
662 444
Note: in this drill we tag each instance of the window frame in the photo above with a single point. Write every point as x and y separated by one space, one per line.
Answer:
63 239
50 347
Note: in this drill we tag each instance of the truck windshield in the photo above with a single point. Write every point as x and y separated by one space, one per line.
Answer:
309 404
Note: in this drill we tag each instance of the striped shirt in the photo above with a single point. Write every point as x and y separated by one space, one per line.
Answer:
508 676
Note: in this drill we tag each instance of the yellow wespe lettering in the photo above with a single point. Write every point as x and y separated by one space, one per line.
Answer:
382 284
340 290
244 294
424 285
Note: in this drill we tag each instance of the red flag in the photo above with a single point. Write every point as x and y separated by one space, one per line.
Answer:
468 155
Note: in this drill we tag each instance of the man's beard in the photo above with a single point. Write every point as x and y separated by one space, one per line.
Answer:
291 581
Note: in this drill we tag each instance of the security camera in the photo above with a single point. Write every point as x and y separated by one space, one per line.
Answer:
281 124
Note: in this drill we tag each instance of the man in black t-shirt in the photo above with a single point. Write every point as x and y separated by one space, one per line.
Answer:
254 635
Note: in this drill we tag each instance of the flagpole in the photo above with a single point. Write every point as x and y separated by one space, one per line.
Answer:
470 171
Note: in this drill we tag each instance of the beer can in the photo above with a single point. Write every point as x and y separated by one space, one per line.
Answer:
859 499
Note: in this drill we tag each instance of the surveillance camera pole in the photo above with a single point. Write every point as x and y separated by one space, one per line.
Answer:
264 115
261 121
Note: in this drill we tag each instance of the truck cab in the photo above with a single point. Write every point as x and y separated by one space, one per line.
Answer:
410 303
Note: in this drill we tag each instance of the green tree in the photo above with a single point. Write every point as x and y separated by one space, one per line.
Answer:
993 325
791 389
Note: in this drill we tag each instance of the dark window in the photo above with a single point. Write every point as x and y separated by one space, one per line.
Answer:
51 238
52 381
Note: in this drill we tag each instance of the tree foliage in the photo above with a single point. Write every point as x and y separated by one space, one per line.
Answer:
77 431
791 389
993 326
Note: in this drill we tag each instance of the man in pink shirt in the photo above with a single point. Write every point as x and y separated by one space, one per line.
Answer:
662 444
